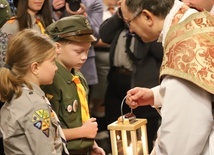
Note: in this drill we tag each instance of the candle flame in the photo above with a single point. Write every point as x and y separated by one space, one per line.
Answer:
118 137
129 149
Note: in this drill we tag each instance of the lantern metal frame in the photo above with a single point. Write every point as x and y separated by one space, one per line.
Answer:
125 125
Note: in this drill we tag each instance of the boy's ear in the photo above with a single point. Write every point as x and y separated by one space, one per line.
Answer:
58 47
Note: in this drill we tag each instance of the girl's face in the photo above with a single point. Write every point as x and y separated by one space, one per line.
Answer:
34 6
73 54
46 71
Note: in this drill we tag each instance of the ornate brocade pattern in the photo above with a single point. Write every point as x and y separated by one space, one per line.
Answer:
189 51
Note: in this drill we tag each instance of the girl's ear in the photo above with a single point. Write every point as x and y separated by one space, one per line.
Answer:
34 68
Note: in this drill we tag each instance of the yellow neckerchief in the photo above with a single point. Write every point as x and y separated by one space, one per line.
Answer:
39 23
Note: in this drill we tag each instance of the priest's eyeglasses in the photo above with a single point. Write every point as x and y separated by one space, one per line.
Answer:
138 13
120 14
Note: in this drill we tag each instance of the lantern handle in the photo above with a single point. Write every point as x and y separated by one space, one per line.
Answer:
121 108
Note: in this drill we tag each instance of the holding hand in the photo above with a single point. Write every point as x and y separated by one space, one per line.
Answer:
139 97
80 11
90 128
58 4
96 150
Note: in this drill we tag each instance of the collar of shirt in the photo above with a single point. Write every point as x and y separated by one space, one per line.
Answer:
36 89
33 19
212 10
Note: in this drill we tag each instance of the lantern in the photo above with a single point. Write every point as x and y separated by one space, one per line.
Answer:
128 135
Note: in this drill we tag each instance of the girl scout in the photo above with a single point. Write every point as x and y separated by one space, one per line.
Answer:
29 14
27 122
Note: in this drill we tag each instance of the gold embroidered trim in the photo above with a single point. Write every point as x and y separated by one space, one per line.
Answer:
189 51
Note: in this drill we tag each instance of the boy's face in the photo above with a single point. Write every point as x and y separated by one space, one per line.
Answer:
142 23
201 4
73 54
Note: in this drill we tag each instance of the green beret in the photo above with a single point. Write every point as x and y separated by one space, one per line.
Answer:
75 28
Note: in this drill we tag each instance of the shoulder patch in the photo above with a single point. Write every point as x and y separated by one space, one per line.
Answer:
41 120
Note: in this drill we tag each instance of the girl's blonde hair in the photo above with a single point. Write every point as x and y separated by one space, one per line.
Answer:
26 47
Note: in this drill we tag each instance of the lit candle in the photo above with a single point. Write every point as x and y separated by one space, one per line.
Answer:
139 148
119 145
129 150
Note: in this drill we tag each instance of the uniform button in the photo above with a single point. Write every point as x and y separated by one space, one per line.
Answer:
30 93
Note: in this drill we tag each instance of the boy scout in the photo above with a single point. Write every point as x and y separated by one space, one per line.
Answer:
73 36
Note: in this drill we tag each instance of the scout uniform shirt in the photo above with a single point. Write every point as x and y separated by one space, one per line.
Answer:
65 102
28 126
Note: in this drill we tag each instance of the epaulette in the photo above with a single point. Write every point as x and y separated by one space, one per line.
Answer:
12 20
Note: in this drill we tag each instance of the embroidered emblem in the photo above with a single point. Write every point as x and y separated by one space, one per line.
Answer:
69 108
4 37
35 118
41 120
75 105
46 132
45 124
87 23
38 125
